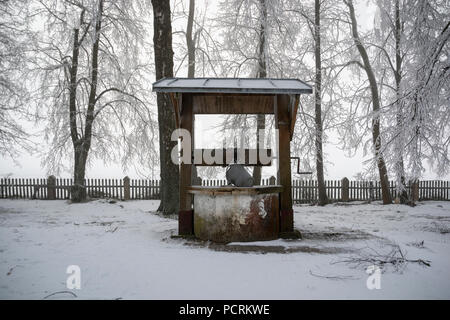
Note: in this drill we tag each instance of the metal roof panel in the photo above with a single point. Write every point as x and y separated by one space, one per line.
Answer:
232 85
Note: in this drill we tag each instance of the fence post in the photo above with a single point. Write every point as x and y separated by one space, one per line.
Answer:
371 196
126 188
414 190
272 181
51 188
345 190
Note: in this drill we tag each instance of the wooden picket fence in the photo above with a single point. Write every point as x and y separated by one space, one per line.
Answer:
53 188
306 191
303 191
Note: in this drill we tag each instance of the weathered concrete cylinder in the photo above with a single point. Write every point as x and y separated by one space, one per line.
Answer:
237 215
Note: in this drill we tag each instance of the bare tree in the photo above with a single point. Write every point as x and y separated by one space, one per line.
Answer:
15 38
398 74
261 73
162 40
198 46
427 120
89 69
409 37
198 52
376 137
190 39
389 38
252 28
317 51
323 199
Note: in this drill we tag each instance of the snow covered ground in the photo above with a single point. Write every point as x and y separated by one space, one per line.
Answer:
124 250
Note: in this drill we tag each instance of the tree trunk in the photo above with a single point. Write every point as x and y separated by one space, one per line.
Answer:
260 136
162 40
76 190
376 139
262 73
82 144
79 189
190 43
323 199
399 165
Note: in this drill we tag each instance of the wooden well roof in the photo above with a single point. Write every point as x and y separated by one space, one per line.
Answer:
232 85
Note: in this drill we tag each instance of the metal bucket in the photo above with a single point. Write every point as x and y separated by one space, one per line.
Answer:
238 176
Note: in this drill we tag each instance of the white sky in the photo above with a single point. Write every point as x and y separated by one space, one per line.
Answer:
338 164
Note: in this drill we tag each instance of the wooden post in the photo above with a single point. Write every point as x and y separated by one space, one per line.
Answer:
272 181
283 123
126 188
371 197
186 214
414 191
345 190
51 188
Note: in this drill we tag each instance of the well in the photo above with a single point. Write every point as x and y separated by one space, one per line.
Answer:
229 214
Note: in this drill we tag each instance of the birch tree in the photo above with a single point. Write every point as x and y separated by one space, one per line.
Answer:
376 105
425 99
318 53
323 199
388 41
15 39
91 84
261 73
411 38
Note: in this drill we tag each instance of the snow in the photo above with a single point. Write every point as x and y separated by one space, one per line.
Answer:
255 85
125 250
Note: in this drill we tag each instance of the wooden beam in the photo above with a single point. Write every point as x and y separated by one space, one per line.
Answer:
282 122
233 104
176 110
235 190
234 158
186 214
294 114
